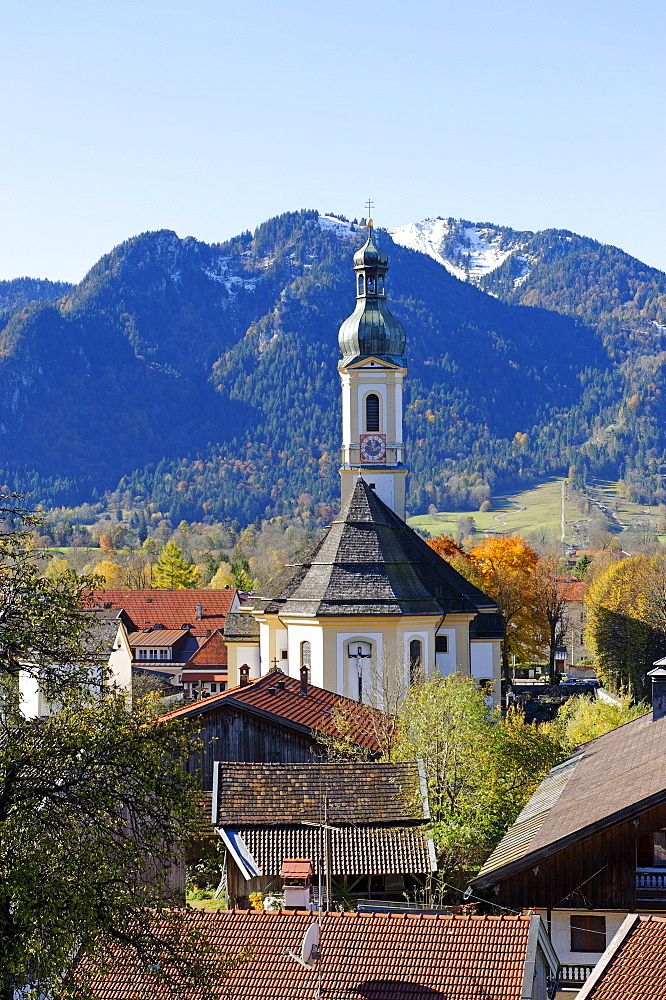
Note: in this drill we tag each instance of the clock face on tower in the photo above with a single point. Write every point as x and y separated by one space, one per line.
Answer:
373 447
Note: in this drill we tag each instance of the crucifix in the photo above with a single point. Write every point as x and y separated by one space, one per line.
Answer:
274 663
370 205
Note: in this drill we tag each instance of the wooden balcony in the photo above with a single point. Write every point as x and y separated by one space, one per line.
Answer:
573 976
651 887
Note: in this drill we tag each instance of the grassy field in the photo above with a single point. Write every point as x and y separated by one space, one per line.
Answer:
537 513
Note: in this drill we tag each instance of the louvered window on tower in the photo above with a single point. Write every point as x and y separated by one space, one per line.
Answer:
372 412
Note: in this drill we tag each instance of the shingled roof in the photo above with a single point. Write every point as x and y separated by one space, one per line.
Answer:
354 850
609 780
279 699
369 562
371 955
282 794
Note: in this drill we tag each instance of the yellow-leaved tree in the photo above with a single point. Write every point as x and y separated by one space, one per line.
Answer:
626 622
503 569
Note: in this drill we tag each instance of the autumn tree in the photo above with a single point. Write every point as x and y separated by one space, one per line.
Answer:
173 572
504 567
548 604
626 621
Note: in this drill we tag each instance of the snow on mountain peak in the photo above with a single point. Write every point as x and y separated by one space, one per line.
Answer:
466 250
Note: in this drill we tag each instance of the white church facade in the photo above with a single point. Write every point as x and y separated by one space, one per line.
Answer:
370 608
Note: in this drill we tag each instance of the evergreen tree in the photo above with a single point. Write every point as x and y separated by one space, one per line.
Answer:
173 572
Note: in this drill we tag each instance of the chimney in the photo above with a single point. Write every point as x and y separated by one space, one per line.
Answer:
304 679
282 683
244 673
296 875
198 610
658 676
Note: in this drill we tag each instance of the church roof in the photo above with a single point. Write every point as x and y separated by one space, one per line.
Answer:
369 562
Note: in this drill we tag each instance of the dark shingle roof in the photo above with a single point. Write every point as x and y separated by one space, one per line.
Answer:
608 780
372 955
368 561
354 850
283 794
240 627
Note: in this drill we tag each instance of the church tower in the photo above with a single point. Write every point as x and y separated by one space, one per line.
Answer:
372 342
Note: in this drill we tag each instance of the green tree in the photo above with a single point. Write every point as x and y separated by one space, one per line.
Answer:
479 770
581 719
95 808
174 572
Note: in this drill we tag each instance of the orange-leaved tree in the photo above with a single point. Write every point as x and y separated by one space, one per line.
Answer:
505 565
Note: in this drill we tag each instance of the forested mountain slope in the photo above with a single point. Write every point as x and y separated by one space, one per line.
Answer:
203 378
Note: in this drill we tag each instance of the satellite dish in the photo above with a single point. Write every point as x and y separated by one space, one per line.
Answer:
310 942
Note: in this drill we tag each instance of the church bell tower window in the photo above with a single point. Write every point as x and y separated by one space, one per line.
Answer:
360 284
380 284
371 284
372 412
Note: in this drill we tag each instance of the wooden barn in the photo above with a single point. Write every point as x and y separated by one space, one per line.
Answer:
361 825
274 719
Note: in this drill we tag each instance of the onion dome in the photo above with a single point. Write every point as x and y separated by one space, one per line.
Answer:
371 329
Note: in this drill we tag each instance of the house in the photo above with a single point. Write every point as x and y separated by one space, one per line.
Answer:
633 964
275 719
574 593
166 628
108 660
590 845
363 955
370 608
361 824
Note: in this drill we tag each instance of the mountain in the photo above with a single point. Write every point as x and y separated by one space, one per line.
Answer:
202 378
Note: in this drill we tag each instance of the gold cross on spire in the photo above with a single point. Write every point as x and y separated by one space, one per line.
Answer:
370 205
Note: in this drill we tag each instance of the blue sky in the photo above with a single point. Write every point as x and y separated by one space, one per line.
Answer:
209 117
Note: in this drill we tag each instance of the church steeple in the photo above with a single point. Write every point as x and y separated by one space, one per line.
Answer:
372 342
371 329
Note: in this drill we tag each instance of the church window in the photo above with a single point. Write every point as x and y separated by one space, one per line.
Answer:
415 661
306 654
372 412
380 284
441 643
360 284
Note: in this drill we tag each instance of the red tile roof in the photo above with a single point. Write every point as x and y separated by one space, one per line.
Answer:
212 653
315 710
364 955
635 970
170 608
572 590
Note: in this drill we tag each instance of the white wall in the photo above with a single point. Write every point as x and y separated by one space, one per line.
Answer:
315 636
445 663
560 934
481 660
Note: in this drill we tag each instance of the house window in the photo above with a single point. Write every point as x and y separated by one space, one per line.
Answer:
213 688
142 654
588 933
283 654
306 654
441 643
372 412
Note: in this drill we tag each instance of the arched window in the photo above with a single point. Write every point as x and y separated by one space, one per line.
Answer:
415 661
371 284
372 412
306 654
380 284
360 284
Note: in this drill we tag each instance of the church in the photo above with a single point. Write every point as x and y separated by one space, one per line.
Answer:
370 608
